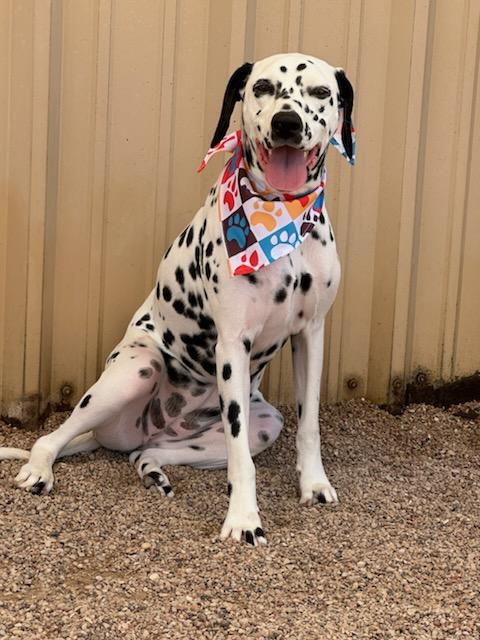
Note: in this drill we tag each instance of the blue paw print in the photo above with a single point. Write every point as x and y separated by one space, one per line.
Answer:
238 230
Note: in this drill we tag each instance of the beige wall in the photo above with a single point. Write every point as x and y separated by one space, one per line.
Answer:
106 108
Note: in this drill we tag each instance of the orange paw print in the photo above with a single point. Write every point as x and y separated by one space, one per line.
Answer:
265 214
296 207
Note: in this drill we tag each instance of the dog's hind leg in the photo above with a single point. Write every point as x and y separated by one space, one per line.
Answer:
133 377
206 450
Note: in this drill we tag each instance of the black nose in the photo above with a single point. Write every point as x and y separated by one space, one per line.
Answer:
286 127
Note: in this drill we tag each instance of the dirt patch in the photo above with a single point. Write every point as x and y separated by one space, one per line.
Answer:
103 558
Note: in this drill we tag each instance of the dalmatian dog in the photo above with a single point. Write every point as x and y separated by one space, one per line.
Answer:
182 386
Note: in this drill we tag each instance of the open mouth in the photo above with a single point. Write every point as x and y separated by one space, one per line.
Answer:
286 167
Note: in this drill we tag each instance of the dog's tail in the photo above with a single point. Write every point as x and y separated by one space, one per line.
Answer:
81 444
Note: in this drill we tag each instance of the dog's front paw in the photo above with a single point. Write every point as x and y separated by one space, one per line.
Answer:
245 527
316 492
36 478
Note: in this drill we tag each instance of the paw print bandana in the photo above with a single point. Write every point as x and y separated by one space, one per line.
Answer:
257 231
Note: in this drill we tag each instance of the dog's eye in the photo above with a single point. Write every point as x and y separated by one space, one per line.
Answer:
319 92
263 87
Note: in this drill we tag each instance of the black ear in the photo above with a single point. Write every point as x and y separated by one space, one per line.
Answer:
345 91
232 96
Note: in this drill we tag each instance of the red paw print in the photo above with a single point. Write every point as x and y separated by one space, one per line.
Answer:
243 269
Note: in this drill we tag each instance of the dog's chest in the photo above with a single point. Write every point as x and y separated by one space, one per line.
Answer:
198 298
282 298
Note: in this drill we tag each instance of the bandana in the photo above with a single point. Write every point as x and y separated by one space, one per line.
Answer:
257 231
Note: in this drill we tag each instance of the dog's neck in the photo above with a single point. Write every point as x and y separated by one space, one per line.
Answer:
257 178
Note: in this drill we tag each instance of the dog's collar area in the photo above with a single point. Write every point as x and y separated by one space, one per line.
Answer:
258 229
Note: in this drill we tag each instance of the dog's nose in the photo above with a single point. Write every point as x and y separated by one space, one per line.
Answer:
286 126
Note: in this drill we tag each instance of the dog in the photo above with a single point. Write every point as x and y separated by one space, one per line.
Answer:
257 265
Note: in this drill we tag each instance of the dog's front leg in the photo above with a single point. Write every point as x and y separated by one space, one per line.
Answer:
307 349
233 374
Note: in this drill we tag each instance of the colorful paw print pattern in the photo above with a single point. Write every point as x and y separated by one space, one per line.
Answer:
257 230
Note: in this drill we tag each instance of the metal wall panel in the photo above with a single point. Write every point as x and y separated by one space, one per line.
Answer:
106 108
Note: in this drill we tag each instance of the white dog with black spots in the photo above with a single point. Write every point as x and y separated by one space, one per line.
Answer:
182 386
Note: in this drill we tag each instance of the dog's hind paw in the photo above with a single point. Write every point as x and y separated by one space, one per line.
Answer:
151 474
37 479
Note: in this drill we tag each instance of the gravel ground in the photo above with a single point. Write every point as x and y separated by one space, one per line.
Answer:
399 557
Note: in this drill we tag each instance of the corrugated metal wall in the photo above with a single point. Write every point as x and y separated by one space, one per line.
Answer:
106 108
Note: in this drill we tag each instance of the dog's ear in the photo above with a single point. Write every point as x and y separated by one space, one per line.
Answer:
231 97
345 92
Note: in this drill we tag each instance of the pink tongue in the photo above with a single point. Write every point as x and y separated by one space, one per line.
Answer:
286 169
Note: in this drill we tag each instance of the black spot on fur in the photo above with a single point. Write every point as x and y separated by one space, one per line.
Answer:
156 414
85 401
305 282
192 270
247 344
301 66
180 276
300 408
196 447
209 366
283 69
249 539
252 278
233 413
226 371
205 322
146 372
271 350
190 236
280 295
259 532
263 435
179 307
168 338
221 403
157 293
156 365
209 249
182 237
167 294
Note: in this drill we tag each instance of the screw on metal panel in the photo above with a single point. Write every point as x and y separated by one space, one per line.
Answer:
66 390
397 385
421 378
352 383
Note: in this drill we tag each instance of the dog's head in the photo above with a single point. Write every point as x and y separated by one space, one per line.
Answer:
292 106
